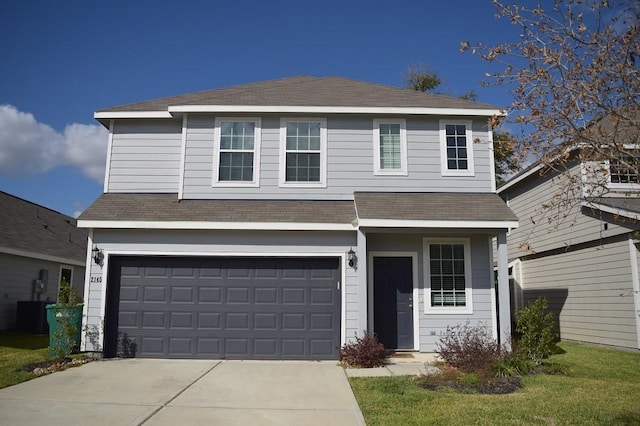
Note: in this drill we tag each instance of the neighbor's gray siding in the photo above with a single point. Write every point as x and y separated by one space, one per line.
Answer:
349 160
145 156
17 274
434 326
590 290
223 243
542 228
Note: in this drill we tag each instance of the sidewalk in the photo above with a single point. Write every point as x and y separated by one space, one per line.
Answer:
399 364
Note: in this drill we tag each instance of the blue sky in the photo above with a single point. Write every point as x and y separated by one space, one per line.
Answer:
64 60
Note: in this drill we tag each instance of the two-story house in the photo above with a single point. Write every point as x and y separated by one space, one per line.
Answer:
577 244
280 219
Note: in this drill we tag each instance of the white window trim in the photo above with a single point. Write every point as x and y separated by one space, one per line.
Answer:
448 310
283 153
443 149
256 153
624 186
377 170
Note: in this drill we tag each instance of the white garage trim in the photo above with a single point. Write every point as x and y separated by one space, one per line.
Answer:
332 254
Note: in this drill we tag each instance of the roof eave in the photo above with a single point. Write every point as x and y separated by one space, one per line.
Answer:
172 111
247 226
448 224
616 211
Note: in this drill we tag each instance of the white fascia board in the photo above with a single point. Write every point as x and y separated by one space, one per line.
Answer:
249 226
334 110
131 114
395 223
613 210
41 256
520 178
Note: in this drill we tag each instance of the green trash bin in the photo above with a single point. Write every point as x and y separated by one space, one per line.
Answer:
65 326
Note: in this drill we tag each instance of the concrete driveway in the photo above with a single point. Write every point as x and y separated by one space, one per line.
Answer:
185 392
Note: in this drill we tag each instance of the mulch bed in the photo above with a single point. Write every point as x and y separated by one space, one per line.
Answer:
497 386
48 367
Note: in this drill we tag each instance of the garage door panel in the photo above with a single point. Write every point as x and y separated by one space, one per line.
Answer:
209 321
260 308
183 294
209 295
152 319
238 295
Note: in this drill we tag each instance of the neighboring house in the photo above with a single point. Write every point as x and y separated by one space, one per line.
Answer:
282 218
582 255
38 247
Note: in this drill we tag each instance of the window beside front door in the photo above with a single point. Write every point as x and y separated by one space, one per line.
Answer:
447 265
456 148
303 152
237 149
390 147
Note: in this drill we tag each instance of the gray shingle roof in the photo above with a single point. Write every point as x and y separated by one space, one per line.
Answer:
433 206
630 204
26 226
401 206
166 207
307 91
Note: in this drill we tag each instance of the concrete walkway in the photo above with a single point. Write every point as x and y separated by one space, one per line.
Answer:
185 392
411 364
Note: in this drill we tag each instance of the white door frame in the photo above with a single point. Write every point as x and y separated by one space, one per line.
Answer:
416 301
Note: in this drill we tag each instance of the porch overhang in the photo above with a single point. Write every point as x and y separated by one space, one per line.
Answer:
433 210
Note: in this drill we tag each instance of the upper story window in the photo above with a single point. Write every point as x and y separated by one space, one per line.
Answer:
390 147
447 266
624 171
237 150
303 147
456 148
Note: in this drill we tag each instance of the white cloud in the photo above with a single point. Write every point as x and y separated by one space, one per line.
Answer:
28 147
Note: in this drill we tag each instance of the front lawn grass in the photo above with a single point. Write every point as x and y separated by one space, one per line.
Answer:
601 388
17 350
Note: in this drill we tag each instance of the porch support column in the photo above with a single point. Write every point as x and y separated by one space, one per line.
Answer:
363 286
504 302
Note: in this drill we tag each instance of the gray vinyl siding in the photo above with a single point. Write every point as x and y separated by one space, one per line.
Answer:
145 156
349 161
543 229
590 291
17 274
434 326
224 243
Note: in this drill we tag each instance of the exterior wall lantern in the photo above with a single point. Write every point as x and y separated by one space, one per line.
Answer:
97 255
352 259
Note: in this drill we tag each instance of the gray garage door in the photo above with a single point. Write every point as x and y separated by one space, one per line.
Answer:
243 308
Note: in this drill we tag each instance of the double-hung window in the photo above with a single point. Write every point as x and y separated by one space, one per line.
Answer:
303 147
389 147
456 148
237 150
447 266
624 171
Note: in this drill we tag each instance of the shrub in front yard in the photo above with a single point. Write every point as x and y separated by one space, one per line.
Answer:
536 327
364 352
511 364
470 348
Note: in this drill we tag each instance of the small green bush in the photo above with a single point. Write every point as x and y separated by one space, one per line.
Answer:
536 327
513 364
364 352
469 348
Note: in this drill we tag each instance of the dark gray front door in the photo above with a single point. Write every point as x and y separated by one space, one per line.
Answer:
392 301
243 308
